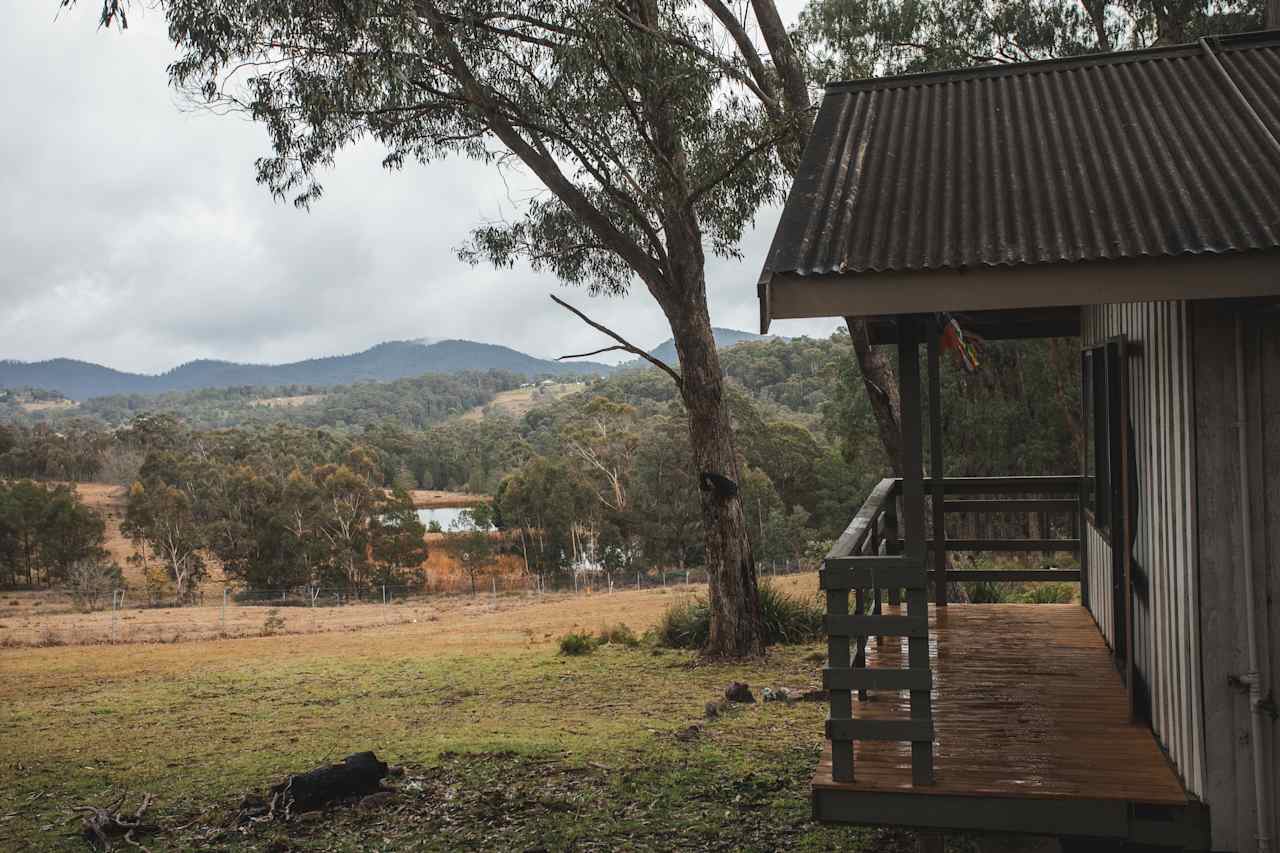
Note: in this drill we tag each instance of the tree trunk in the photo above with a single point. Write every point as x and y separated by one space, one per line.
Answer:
881 385
736 627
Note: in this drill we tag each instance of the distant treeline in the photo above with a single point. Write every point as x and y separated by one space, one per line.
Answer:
601 478
415 402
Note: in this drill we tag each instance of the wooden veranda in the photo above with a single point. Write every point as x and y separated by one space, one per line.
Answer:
1031 734
998 717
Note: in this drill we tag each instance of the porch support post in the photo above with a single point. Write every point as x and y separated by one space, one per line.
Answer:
913 530
933 334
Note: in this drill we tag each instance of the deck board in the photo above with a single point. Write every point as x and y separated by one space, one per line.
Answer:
1026 704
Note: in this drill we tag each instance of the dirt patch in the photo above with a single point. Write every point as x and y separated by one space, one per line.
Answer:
434 499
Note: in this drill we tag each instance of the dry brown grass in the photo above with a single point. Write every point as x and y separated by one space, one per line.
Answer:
47 405
518 402
453 620
436 498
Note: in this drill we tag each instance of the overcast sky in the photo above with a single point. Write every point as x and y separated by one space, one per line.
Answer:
136 237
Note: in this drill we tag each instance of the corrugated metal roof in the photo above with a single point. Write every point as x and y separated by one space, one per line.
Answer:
1161 152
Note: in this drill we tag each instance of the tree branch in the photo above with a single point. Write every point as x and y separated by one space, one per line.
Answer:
624 343
542 165
594 352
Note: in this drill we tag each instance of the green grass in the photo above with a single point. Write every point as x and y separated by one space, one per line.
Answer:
507 749
788 619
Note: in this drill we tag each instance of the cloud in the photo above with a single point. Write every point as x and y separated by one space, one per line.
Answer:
137 237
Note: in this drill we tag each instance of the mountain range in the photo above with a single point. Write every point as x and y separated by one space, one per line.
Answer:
81 380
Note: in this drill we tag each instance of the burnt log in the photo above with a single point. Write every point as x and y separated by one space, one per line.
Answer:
355 776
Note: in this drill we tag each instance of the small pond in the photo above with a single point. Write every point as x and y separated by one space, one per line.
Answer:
445 516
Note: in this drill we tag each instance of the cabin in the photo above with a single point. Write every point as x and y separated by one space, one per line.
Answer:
1130 202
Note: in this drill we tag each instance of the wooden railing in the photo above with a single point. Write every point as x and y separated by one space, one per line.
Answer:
871 562
874 530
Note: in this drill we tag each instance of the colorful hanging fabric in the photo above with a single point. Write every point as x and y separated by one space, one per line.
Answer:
965 346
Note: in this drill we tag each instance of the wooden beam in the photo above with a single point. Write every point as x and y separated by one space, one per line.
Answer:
1018 575
886 572
877 679
1010 545
841 701
864 625
916 731
914 533
1012 505
935 463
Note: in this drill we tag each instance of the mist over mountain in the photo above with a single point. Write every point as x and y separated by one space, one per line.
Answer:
81 380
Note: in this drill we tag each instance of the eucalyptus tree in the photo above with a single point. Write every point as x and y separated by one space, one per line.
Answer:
657 127
866 38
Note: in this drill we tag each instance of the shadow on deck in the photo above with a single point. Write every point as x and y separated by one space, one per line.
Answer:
1032 734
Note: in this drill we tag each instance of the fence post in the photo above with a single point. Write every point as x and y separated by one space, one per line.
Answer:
637 581
686 577
113 615
226 593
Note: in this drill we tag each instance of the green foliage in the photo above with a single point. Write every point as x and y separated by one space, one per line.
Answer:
989 592
686 624
45 532
852 39
788 620
1048 593
577 643
618 634
273 623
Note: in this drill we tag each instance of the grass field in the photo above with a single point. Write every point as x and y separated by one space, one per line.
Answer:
518 402
506 744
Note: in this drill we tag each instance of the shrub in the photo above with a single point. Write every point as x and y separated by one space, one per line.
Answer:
685 624
1049 593
618 634
788 619
577 644
273 624
987 592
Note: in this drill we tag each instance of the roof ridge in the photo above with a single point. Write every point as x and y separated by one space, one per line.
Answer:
1236 41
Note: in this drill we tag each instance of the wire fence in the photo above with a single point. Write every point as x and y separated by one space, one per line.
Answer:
227 610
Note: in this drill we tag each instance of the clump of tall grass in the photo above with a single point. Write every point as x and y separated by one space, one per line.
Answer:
617 634
788 619
1048 593
577 643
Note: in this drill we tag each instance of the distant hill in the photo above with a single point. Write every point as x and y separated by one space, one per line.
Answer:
725 338
80 380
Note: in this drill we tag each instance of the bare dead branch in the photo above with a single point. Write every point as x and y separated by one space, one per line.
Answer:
593 352
625 345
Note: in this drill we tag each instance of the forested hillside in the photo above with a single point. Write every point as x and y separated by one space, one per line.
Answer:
416 403
81 380
604 471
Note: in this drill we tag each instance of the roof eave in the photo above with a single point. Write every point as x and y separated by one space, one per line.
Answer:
792 296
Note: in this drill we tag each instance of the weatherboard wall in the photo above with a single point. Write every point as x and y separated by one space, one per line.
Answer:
1166 632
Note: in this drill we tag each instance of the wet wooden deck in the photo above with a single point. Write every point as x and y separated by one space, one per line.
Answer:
1032 733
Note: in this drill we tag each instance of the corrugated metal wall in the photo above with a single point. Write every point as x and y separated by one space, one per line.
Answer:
1229 785
1166 636
1100 593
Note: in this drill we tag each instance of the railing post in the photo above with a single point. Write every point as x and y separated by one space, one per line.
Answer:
913 529
841 701
936 466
